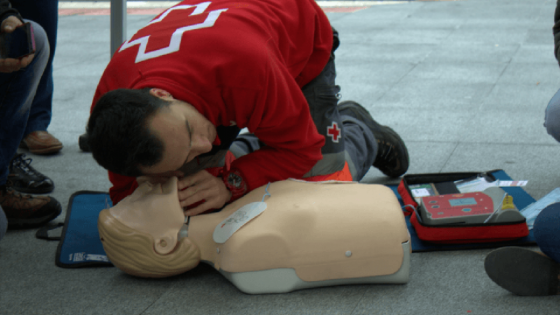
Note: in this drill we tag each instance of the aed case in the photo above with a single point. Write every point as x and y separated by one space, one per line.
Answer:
456 226
489 206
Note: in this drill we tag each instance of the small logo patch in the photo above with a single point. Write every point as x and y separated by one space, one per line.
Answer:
334 132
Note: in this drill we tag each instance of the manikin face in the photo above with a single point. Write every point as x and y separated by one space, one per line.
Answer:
185 134
153 209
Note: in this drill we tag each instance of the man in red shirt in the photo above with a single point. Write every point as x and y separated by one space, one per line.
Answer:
174 97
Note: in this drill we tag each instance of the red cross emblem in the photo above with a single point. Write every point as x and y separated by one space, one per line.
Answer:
334 132
159 39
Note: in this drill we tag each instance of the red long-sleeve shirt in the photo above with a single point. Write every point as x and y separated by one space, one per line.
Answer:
241 63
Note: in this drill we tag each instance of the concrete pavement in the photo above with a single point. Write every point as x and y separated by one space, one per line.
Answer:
465 83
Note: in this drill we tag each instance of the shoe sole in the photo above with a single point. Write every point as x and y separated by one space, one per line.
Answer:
33 191
528 273
17 224
365 113
82 143
44 151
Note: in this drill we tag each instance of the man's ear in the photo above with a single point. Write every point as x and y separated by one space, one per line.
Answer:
163 94
165 244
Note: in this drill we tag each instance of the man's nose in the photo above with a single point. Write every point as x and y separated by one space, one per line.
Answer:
201 145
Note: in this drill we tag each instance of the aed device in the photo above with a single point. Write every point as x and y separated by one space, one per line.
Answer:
492 205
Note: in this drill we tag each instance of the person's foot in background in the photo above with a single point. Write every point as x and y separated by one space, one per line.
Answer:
83 142
26 211
24 178
41 143
523 271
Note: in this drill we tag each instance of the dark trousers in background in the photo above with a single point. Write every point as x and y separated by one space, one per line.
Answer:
45 13
18 90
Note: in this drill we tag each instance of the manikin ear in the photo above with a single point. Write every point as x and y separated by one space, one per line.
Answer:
165 244
163 94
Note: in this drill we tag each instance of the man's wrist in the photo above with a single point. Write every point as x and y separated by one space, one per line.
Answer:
235 183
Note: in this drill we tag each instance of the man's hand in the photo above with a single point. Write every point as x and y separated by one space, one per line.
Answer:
202 186
10 64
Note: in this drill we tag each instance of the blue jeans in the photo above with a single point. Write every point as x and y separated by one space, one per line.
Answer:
552 117
17 95
45 13
3 223
547 231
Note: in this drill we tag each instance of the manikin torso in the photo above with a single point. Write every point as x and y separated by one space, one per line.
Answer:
309 234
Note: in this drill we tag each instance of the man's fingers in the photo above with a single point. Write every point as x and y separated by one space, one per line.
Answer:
204 187
209 203
184 183
9 65
185 194
189 181
203 195
194 179
25 61
10 24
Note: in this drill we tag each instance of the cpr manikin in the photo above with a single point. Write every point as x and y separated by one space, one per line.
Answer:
282 237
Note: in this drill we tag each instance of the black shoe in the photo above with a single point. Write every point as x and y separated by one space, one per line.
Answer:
392 155
523 271
25 211
83 142
24 178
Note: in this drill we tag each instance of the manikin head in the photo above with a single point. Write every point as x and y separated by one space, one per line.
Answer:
147 132
140 234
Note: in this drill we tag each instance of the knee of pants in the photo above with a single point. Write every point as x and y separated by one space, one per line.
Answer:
547 230
552 117
42 47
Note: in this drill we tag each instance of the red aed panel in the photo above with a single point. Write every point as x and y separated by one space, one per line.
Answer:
458 205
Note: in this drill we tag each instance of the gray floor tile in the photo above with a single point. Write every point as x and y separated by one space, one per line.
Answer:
453 72
532 73
514 97
535 54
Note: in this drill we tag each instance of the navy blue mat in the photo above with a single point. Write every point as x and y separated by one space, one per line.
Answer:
80 245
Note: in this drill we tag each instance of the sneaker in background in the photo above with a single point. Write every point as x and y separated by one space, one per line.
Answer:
24 178
25 211
41 142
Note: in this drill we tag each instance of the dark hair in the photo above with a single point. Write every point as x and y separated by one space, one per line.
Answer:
118 133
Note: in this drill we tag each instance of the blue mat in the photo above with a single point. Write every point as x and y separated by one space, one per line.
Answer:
80 245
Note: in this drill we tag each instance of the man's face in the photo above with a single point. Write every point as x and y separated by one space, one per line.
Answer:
185 134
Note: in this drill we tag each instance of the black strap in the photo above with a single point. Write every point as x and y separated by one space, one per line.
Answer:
50 232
